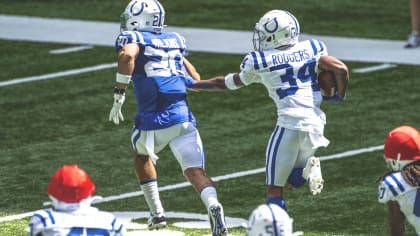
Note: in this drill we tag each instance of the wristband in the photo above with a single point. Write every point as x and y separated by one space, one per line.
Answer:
124 79
230 82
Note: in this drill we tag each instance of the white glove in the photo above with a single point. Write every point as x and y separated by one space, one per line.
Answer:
115 114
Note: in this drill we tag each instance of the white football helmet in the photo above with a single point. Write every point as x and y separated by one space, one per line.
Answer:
268 220
276 29
143 15
402 147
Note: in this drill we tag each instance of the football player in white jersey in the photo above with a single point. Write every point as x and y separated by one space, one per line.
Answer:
288 69
400 189
70 190
268 220
154 61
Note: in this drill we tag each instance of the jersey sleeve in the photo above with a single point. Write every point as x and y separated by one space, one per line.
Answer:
248 72
392 187
119 227
39 221
127 37
383 193
319 48
189 81
182 43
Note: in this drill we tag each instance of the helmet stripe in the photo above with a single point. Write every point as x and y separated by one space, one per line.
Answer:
294 19
274 220
160 12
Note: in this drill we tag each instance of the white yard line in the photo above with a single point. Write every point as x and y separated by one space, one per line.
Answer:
58 74
215 179
374 68
70 49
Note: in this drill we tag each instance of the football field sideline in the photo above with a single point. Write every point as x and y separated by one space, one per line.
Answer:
215 179
78 32
199 40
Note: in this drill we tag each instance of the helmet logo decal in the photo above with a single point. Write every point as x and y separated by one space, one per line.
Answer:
141 9
275 26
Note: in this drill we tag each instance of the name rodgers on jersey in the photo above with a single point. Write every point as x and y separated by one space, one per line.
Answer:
297 56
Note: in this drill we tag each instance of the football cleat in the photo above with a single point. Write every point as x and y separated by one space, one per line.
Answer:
217 220
413 40
156 222
312 174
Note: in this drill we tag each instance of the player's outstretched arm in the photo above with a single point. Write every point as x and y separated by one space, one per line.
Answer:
340 70
231 81
213 84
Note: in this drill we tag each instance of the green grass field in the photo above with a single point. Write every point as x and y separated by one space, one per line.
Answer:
49 123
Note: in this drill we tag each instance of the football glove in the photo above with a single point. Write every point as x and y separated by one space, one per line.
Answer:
115 114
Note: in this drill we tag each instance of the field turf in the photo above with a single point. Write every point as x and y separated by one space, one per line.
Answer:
49 123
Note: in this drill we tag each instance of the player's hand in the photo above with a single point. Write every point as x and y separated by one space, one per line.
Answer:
115 114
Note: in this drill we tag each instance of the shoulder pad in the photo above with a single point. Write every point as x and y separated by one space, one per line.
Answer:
392 186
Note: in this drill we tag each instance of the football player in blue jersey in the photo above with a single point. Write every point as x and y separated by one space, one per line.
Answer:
153 60
71 190
289 70
400 189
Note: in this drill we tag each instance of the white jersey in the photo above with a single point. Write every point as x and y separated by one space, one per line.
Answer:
290 76
88 221
395 188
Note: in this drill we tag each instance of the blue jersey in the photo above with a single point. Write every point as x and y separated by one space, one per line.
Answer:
159 78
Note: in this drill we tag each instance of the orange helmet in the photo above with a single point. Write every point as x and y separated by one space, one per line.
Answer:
402 146
70 184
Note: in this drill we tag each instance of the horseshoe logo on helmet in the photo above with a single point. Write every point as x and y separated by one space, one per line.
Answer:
273 24
141 8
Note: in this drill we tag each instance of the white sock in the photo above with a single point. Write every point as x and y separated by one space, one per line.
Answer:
151 194
209 196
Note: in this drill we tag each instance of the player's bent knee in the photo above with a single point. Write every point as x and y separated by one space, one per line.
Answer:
198 178
141 156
